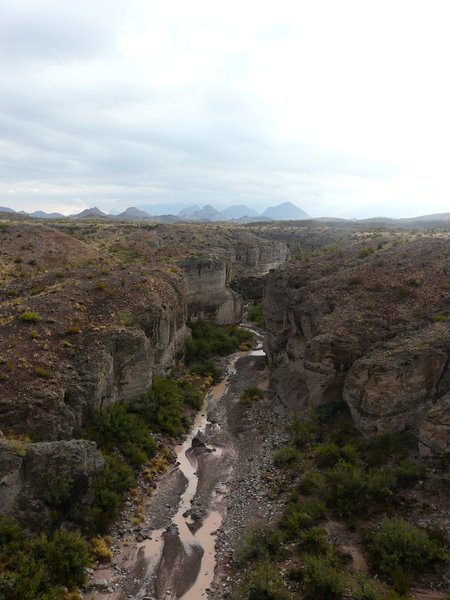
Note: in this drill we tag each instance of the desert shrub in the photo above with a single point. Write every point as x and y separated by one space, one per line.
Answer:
109 487
250 394
38 290
256 314
29 317
36 568
380 448
117 426
73 330
262 541
313 540
402 292
365 588
162 407
287 456
211 340
207 368
10 532
311 482
100 549
263 583
301 515
42 372
322 580
66 555
346 488
396 544
301 432
329 453
355 280
364 252
192 397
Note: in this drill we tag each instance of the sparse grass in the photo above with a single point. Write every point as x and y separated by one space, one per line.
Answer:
100 550
29 316
250 394
73 330
42 372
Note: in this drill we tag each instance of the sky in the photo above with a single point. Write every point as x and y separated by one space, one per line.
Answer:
341 107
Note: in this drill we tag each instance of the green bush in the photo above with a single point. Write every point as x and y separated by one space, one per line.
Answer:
365 588
329 453
311 482
256 314
211 340
380 448
207 368
351 487
250 394
109 488
262 541
162 407
302 515
287 456
313 540
66 555
396 544
263 583
364 252
301 432
29 316
322 580
345 488
37 568
115 426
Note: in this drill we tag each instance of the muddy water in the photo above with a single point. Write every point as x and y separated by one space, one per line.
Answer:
180 559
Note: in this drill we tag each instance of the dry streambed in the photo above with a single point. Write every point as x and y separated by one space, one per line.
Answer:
196 515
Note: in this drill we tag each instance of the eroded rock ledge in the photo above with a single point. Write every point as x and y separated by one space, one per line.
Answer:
361 330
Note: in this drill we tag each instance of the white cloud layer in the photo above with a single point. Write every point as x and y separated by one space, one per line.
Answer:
339 107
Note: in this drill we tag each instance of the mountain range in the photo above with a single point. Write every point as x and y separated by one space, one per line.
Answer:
236 213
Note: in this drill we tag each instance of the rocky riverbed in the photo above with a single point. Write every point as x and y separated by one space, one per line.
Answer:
195 517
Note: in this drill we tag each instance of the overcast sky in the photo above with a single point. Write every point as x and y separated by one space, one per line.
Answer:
340 106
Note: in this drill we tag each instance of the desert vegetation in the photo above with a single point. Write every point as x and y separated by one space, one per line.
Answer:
329 472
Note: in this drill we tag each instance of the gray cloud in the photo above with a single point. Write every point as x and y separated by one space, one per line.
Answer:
77 124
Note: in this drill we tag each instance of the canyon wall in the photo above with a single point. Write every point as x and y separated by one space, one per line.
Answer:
357 335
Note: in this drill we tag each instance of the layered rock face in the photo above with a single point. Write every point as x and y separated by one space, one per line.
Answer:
209 296
359 329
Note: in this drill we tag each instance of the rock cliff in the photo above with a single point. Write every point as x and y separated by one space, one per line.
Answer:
209 294
368 327
36 476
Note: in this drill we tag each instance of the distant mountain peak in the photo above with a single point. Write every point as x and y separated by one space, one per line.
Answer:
133 214
285 211
207 213
91 212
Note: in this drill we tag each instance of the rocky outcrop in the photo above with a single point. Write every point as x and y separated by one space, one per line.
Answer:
394 386
209 296
354 331
36 478
253 256
434 438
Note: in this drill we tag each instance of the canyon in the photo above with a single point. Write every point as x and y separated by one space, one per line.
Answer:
91 313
